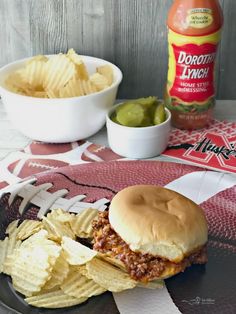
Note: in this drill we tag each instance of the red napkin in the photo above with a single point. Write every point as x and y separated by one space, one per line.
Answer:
213 147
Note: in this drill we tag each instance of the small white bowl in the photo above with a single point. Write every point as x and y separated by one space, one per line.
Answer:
59 120
138 142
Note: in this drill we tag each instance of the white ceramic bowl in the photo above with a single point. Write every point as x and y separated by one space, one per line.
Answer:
138 142
61 119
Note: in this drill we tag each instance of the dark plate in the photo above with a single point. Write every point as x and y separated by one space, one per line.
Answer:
200 289
10 299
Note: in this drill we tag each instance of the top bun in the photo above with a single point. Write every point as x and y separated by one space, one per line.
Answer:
158 221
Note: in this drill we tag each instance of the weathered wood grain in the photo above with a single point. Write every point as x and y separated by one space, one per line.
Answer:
15 41
130 33
48 26
141 50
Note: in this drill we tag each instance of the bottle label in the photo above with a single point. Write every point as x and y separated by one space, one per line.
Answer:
194 72
199 18
190 86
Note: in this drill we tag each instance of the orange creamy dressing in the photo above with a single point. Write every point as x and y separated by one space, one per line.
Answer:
193 36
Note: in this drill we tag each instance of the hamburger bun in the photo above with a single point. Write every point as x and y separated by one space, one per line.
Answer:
155 220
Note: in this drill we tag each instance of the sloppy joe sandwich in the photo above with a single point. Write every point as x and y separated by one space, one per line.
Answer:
152 231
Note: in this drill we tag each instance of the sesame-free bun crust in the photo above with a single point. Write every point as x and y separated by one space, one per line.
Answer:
159 221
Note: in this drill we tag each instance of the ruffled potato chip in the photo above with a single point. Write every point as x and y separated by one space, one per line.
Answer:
41 58
56 229
155 284
52 93
59 272
81 71
108 276
81 224
76 253
54 299
60 215
8 263
39 238
34 74
32 268
99 81
16 83
13 242
106 70
28 228
12 227
33 263
112 260
58 71
38 94
88 87
58 76
79 286
3 252
72 89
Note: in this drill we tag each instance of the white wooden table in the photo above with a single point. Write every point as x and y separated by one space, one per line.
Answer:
12 140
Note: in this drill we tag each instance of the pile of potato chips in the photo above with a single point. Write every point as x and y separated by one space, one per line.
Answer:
52 269
60 76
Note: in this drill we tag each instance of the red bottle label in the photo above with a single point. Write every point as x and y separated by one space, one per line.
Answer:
194 76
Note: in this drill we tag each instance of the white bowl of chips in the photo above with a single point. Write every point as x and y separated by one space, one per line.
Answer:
59 98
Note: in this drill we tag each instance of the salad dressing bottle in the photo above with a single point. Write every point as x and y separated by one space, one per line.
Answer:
194 29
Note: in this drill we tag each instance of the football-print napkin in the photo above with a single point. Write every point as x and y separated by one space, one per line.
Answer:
213 148
39 157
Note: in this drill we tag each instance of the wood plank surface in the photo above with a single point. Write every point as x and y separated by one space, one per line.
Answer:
130 33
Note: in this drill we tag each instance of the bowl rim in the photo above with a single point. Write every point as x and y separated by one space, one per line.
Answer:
112 109
113 85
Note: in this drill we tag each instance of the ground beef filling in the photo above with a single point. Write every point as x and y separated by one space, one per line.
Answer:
141 267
